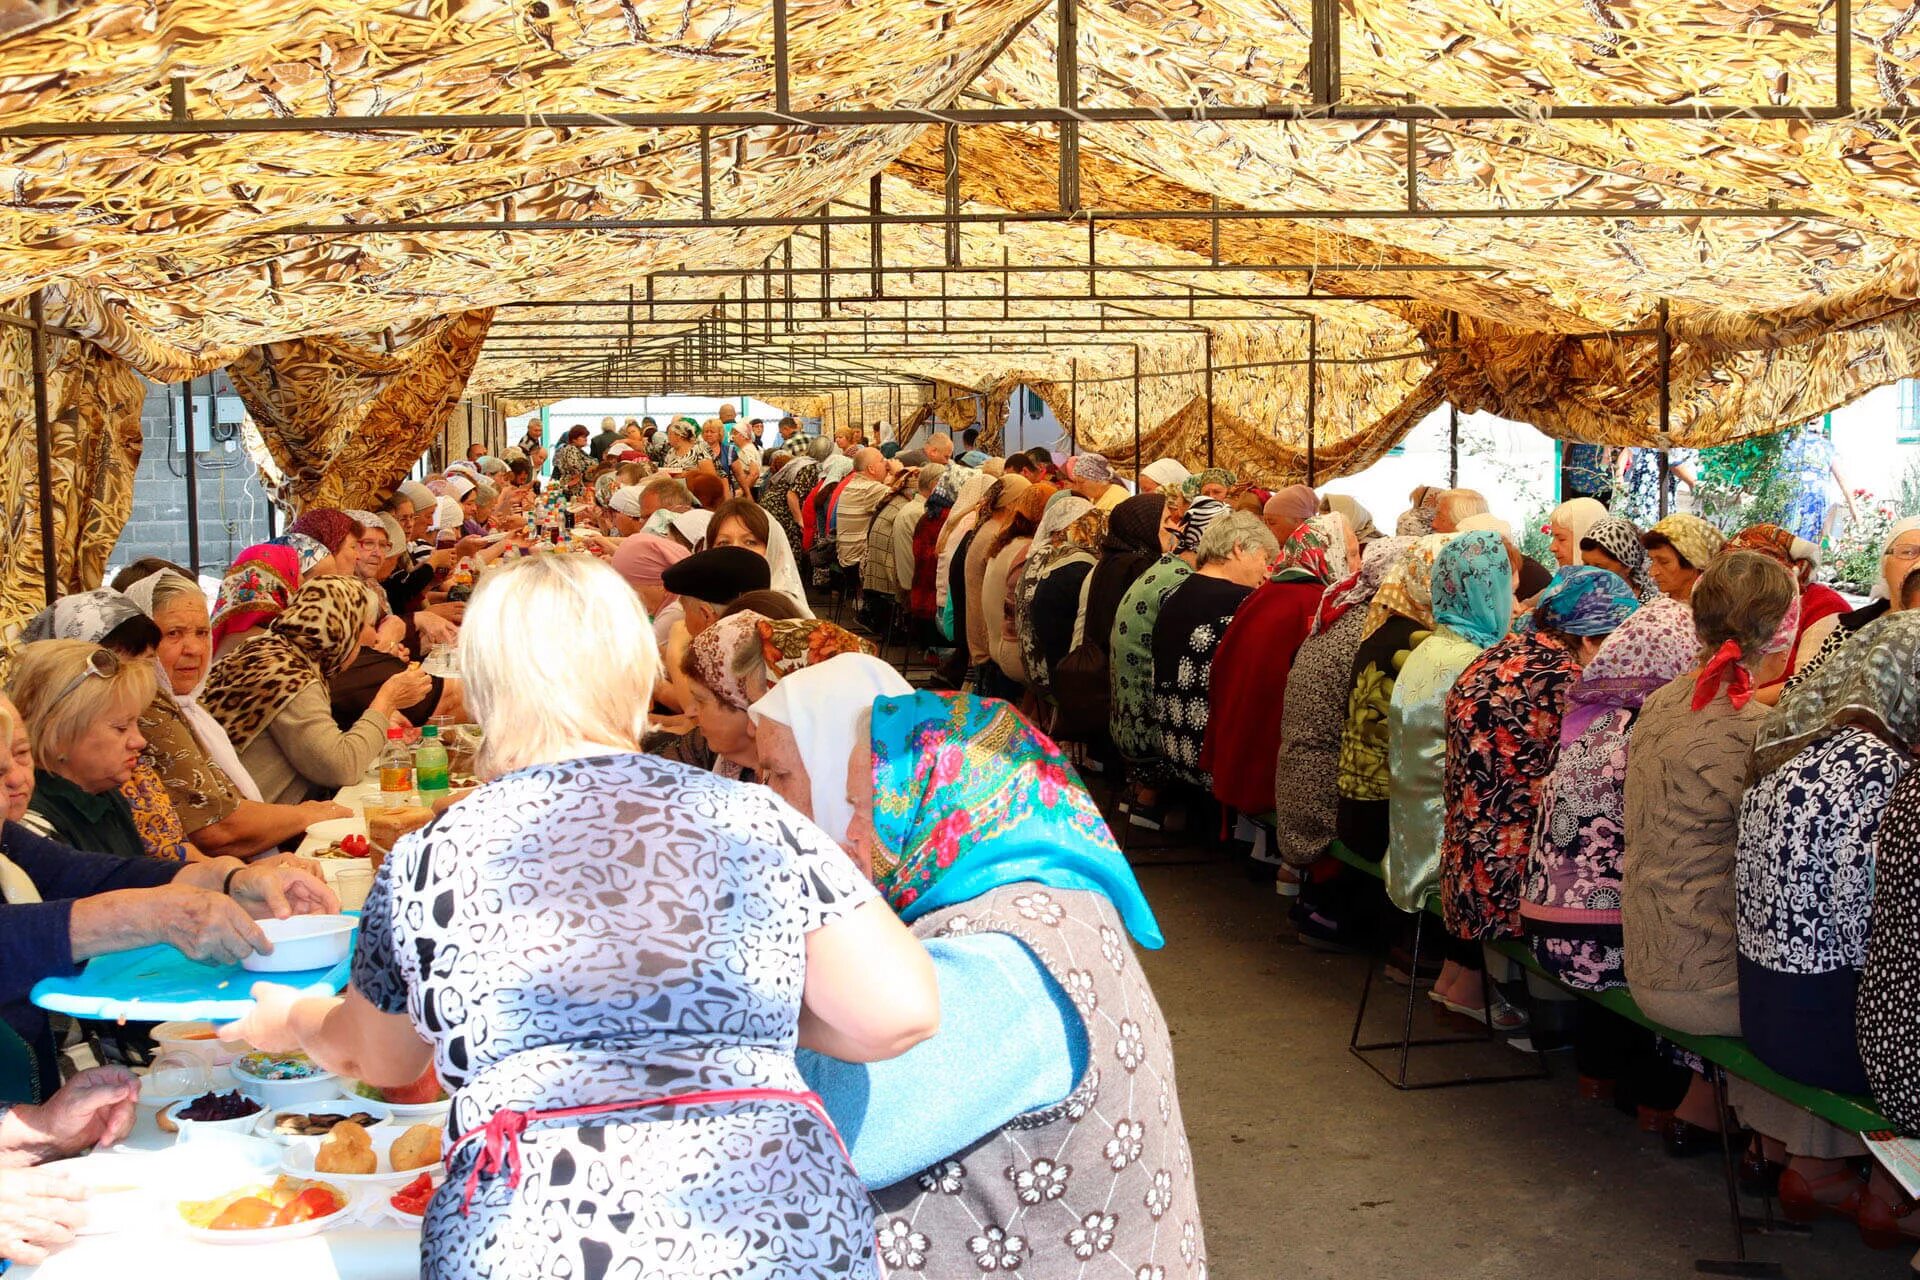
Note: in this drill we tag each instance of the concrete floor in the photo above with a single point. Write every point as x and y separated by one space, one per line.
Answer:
1312 1168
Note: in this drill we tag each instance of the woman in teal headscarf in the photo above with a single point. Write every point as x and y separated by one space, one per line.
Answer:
1473 583
979 833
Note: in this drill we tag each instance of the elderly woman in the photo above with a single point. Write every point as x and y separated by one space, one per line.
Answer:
335 530
685 449
1006 671
921 559
1504 718
1230 561
270 695
81 706
1818 602
1043 1003
998 510
257 587
1825 637
1679 549
1571 905
733 663
1689 766
1058 542
1473 582
653 1050
1568 525
571 462
1888 1022
1306 797
1829 759
1162 473
1249 682
1130 544
217 801
1358 518
643 560
742 522
1398 620
1288 509
61 906
789 486
1614 544
970 510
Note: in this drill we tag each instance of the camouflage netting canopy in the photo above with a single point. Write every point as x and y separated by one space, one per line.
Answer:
1549 211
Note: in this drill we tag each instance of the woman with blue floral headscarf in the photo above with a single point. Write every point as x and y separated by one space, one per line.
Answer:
1472 588
1503 736
1067 1142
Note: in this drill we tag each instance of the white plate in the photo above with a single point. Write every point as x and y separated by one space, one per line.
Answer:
334 830
125 1190
299 1160
301 943
275 1235
239 1126
383 1119
412 1112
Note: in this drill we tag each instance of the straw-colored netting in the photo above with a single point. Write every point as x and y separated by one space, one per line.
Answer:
178 254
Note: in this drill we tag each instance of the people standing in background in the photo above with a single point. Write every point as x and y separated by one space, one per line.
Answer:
599 445
1639 482
1807 458
1586 471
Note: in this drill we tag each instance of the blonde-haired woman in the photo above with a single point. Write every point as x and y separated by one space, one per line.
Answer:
611 957
82 704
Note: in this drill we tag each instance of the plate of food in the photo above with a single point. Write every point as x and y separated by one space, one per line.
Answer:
284 1079
287 1208
424 1099
231 1112
309 1123
358 1157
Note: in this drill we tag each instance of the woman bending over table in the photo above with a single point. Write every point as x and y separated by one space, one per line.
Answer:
611 957
1065 1152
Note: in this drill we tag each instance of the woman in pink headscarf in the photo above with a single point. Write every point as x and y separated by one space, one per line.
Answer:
257 587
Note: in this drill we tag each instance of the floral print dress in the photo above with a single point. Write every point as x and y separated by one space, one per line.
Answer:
1131 656
1503 736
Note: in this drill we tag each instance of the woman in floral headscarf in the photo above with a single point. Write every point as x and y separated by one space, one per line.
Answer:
257 587
1614 544
974 827
1503 737
1398 620
1473 584
270 695
1250 670
731 665
1679 549
1829 759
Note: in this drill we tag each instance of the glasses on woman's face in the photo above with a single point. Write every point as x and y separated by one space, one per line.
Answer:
1904 551
104 663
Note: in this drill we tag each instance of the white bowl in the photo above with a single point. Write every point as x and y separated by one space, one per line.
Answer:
197 1039
381 1113
303 942
285 1095
275 1235
407 1112
334 830
299 1162
190 1129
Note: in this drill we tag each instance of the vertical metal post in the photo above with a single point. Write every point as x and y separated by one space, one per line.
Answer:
43 441
1323 53
193 481
1665 349
950 152
1073 394
1136 402
1453 445
1066 57
782 91
877 281
1207 390
1313 388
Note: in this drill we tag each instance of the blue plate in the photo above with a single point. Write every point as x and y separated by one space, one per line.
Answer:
160 984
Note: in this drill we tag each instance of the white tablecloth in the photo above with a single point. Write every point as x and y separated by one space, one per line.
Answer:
387 1252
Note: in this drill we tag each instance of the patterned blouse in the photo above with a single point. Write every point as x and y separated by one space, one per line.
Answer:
1131 658
153 815
1805 891
200 793
1889 1005
795 478
1503 736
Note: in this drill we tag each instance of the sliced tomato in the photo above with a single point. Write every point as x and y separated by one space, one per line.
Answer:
312 1203
413 1197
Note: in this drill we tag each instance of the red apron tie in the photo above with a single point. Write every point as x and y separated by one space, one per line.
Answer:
500 1145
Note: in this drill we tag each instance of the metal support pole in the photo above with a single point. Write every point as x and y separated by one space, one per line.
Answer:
1066 58
878 285
1664 339
1453 445
782 91
1207 390
1323 53
1136 411
193 481
951 152
1073 395
43 440
1313 389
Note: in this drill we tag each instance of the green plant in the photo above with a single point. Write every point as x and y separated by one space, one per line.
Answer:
1742 483
1535 542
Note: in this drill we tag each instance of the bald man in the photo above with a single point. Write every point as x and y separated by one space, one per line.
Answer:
858 501
1456 505
940 449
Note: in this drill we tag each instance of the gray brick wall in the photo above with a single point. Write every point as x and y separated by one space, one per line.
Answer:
233 507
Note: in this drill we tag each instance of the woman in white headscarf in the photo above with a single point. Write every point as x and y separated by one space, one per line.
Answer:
848 680
741 522
1569 523
1163 473
219 806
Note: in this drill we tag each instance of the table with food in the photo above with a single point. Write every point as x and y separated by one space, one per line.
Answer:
314 1174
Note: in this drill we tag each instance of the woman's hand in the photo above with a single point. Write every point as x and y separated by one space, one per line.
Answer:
39 1212
282 888
94 1109
402 689
435 629
269 1025
322 811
